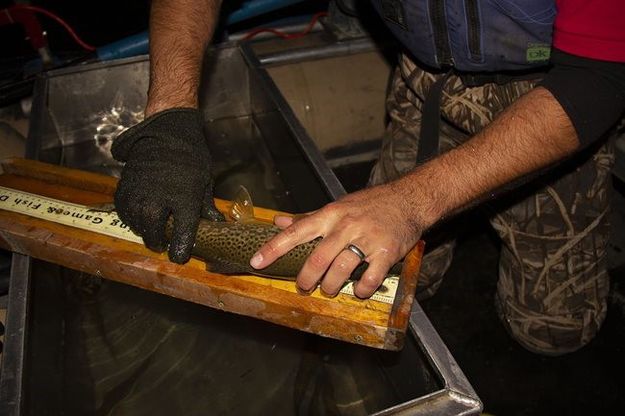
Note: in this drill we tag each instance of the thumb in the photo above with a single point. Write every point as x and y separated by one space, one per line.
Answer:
209 210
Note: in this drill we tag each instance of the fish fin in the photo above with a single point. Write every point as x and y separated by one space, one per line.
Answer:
242 209
223 267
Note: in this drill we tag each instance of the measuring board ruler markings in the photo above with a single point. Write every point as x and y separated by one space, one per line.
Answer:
108 223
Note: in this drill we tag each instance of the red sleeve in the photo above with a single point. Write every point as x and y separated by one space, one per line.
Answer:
591 29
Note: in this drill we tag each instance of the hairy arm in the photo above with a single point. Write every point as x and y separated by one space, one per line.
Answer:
532 134
180 31
169 174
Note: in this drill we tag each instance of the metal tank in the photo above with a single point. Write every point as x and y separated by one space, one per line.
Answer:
77 344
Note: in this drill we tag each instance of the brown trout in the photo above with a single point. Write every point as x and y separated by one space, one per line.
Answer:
228 246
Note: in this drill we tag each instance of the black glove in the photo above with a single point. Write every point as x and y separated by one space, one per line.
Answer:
167 172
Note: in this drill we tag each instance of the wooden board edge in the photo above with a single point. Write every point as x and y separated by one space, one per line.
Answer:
400 313
54 174
394 340
321 320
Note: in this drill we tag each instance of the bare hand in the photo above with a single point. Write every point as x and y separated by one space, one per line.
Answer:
376 220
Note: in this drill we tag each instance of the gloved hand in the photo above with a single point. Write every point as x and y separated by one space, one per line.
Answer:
167 172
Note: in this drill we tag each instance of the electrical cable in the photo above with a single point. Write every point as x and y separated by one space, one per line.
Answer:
60 21
283 35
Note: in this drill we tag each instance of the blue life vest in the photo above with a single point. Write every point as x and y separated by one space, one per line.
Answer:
473 35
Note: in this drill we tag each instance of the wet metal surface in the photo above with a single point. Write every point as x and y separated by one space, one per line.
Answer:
128 351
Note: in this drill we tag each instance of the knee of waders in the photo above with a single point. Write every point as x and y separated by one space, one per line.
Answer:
546 334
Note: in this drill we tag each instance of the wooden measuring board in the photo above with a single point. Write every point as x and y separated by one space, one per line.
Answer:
29 188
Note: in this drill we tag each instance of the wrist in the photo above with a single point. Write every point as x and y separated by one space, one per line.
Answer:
152 109
160 99
155 106
420 199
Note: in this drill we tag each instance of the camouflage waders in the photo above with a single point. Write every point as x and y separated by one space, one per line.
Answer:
553 283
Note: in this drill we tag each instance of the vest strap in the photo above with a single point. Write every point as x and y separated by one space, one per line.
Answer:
430 122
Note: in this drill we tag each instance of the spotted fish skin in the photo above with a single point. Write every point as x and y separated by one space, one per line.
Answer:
227 247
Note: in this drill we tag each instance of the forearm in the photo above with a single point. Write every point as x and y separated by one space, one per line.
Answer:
531 134
180 31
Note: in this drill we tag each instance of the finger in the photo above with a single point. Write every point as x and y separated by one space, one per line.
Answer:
298 217
129 209
298 233
209 210
155 216
183 235
340 270
372 278
282 221
319 261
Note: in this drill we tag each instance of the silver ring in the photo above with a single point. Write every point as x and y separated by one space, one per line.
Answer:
356 251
